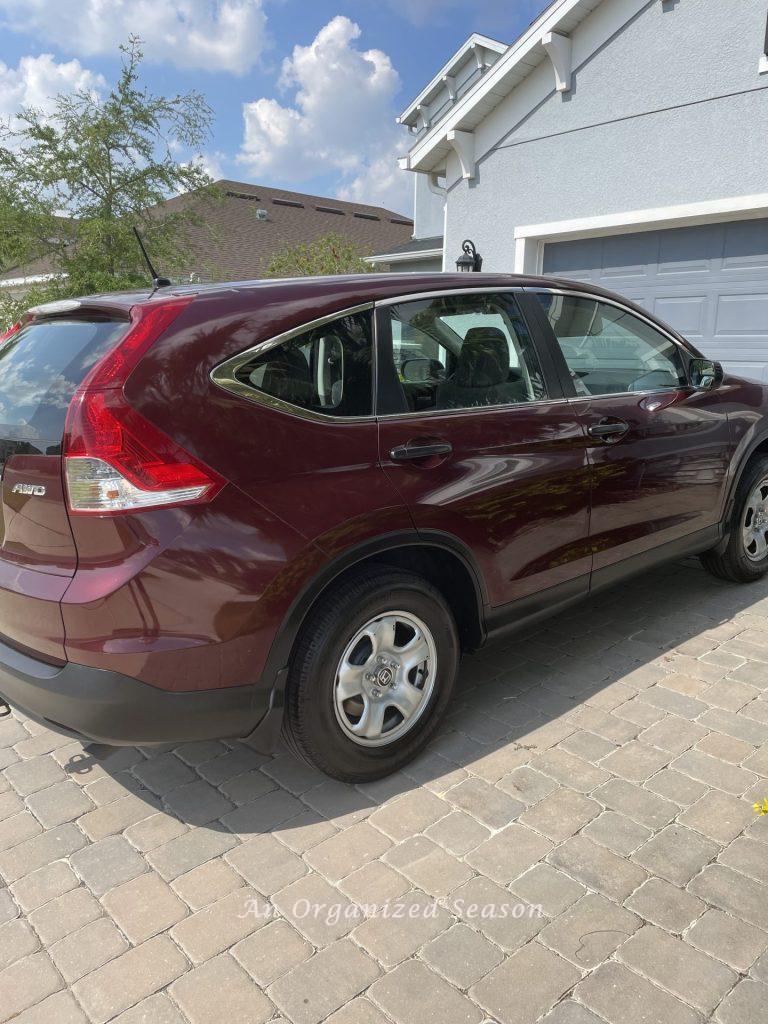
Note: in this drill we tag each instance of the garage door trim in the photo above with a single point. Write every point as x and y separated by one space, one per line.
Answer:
531 239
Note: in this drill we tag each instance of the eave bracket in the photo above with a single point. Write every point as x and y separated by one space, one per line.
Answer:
560 52
464 146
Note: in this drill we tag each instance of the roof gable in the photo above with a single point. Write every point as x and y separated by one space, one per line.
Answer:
546 38
454 79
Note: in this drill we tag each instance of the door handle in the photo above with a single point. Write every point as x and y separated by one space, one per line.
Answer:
608 430
414 450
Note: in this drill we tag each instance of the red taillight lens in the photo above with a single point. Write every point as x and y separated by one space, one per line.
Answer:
115 459
147 324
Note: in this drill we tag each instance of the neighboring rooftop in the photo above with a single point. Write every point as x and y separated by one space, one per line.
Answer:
253 222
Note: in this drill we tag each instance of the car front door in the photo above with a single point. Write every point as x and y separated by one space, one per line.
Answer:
659 449
478 439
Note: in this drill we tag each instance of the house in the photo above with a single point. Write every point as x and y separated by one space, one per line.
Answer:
244 229
621 142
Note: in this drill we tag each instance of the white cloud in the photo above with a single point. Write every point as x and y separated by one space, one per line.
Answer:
381 183
213 164
341 119
220 35
37 80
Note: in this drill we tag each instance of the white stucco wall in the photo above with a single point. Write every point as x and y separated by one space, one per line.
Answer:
428 209
667 107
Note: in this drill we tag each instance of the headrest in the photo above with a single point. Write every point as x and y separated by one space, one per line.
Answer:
484 359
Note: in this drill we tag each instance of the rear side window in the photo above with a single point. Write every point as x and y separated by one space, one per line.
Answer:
326 369
40 368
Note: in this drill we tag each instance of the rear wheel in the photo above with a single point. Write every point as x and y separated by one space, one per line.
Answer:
371 675
745 558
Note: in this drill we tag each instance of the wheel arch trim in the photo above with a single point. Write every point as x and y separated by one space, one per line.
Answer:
305 600
744 459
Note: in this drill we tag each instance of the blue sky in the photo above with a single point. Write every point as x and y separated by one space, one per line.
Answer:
304 93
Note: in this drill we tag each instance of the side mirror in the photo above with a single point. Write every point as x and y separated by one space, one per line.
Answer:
706 374
422 371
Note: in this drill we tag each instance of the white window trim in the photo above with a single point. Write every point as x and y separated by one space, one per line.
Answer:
530 239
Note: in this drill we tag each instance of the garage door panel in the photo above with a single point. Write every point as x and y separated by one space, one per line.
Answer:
687 314
710 282
742 316
688 252
575 260
746 246
625 256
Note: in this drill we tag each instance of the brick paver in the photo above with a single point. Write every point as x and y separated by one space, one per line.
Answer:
577 846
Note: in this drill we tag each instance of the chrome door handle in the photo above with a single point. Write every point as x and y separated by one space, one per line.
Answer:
406 452
608 430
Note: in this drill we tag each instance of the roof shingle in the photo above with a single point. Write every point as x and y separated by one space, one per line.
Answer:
237 243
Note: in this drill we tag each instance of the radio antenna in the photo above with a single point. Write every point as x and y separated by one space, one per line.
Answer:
157 282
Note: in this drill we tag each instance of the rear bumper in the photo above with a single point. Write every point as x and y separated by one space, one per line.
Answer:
107 707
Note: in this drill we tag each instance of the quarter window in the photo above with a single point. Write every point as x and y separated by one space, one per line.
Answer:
610 351
463 352
326 369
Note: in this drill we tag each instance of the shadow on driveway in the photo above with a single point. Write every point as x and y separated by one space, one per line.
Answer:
591 668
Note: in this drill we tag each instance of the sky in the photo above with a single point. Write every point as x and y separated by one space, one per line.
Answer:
304 94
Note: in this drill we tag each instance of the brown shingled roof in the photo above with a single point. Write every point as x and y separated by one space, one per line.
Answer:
243 244
237 244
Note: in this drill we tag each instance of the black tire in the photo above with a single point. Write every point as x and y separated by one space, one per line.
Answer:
310 724
733 562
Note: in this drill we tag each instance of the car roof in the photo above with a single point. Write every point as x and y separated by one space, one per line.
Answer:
344 291
376 286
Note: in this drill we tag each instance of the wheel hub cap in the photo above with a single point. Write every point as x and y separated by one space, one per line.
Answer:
755 523
385 678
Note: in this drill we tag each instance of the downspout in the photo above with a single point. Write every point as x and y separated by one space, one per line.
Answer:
440 190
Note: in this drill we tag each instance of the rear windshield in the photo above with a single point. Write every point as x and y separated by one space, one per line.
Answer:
40 368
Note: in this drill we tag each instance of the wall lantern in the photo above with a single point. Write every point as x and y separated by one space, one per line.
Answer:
470 260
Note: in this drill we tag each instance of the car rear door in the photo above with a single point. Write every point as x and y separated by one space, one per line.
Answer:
476 436
659 449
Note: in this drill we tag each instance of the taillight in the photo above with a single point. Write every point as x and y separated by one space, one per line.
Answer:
116 460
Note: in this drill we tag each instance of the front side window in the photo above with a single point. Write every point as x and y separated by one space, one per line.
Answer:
608 350
325 370
463 352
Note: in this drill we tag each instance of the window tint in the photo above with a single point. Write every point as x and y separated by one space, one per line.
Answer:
40 368
610 351
462 352
326 370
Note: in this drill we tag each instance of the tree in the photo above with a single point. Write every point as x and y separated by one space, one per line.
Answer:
74 182
332 254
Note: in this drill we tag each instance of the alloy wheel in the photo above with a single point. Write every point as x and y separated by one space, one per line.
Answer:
755 523
385 678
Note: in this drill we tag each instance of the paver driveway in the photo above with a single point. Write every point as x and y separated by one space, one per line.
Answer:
596 778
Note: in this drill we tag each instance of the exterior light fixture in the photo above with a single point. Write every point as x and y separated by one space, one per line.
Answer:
470 260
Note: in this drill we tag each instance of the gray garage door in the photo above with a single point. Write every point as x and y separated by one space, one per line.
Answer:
709 282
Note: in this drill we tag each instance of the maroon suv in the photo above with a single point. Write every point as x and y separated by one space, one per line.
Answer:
235 508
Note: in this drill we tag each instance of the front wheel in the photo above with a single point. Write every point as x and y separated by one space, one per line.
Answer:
371 675
745 558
